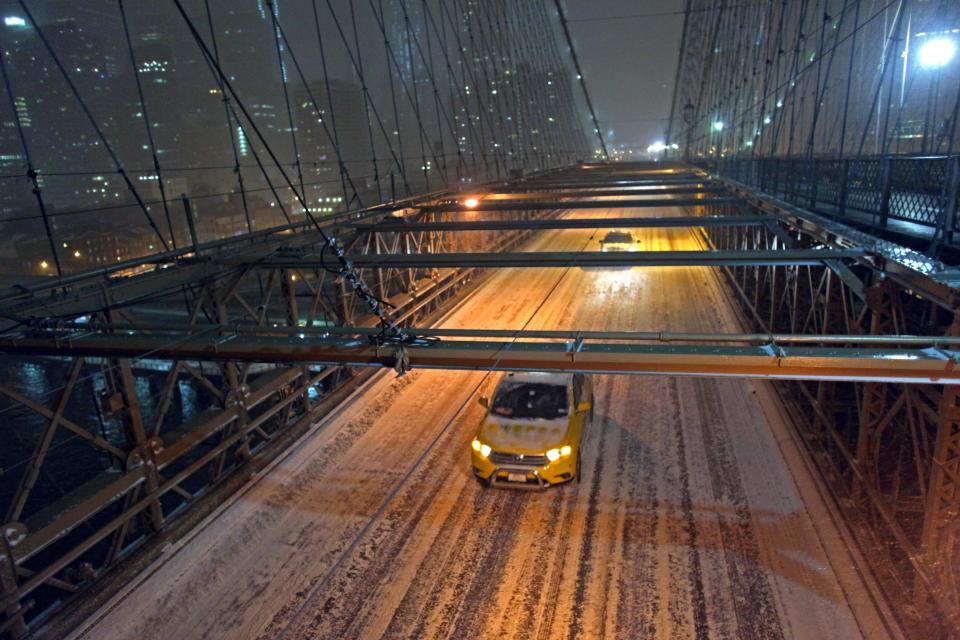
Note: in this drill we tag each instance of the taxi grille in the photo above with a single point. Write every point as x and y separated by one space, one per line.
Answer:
497 457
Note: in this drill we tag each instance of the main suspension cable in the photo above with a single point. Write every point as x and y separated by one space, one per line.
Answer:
391 333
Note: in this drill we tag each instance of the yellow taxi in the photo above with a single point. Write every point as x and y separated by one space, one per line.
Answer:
533 430
618 240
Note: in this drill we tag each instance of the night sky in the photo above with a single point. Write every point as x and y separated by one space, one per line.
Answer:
629 64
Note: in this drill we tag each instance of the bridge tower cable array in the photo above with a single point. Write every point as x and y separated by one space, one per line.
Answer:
583 83
847 107
462 123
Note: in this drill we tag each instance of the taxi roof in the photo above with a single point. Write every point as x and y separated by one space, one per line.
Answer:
539 377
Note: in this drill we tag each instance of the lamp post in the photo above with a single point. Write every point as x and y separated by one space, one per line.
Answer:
937 52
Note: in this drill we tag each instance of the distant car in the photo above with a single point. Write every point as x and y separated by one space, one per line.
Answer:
618 240
533 430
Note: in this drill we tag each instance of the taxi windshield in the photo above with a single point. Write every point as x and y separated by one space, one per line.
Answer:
531 400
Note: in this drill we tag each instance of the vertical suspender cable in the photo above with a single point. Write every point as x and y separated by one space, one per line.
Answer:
668 138
437 103
481 142
274 23
412 98
397 126
226 113
345 173
583 83
424 142
369 105
93 122
147 124
367 102
390 331
335 137
31 171
456 92
479 85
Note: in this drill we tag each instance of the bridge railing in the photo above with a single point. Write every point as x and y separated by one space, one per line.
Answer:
874 190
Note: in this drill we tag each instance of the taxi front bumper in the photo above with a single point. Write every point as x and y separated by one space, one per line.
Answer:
521 475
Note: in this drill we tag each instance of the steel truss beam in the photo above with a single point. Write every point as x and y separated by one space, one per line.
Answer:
931 365
245 409
567 223
533 259
598 203
695 189
794 276
612 183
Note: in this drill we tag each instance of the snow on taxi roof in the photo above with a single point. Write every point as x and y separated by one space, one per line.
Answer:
540 377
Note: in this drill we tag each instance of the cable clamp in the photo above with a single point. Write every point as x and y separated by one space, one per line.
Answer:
401 363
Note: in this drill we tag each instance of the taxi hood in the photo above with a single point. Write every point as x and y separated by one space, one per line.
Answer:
523 435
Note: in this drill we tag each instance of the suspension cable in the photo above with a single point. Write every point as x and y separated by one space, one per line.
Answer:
335 138
31 171
274 10
583 83
226 113
345 173
390 332
93 121
146 123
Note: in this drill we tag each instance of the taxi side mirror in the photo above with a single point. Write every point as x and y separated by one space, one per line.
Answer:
583 406
484 401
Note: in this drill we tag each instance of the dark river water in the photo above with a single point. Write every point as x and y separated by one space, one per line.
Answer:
71 460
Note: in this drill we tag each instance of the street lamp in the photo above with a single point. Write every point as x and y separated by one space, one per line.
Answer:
718 126
937 53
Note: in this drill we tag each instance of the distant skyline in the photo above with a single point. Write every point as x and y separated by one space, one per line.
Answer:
404 98
629 63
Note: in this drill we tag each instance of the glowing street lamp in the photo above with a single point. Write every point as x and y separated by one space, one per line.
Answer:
718 126
656 147
44 264
937 53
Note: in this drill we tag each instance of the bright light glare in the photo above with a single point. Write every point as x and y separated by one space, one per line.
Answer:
565 450
656 147
470 203
14 21
485 450
937 53
553 455
475 444
718 126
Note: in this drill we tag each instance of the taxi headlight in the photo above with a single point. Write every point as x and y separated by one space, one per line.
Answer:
565 450
481 448
553 455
